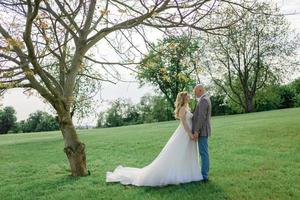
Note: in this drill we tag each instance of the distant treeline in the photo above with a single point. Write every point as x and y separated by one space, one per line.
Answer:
37 122
156 108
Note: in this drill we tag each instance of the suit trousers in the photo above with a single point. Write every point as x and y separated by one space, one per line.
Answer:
204 156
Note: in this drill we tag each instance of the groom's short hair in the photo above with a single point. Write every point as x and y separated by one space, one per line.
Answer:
199 86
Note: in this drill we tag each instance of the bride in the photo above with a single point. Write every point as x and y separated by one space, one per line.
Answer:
176 163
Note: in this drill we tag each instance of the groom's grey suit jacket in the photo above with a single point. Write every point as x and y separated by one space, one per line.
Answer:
201 117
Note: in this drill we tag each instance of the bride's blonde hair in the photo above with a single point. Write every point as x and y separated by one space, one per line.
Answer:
180 101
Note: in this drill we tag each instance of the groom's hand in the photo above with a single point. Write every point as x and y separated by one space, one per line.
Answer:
196 135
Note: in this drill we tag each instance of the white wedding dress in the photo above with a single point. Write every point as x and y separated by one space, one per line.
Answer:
178 162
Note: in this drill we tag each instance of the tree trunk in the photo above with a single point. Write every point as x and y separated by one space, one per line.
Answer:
74 149
249 105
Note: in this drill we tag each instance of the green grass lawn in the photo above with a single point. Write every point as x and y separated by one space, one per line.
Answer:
253 156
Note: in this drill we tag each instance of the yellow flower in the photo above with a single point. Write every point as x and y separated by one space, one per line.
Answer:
154 14
151 65
104 11
43 25
166 78
182 77
29 72
163 70
8 74
14 42
199 70
171 45
47 39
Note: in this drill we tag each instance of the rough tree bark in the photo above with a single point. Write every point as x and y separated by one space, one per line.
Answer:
74 149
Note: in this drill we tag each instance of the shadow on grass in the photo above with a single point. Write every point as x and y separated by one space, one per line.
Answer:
193 190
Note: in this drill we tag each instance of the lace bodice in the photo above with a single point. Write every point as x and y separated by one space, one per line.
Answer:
189 115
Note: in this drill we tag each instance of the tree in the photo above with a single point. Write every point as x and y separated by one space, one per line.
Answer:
7 119
116 113
120 113
39 121
45 45
287 95
253 53
171 66
296 85
268 98
86 88
152 107
220 106
101 120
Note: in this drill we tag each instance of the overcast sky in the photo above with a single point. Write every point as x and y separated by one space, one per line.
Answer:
25 105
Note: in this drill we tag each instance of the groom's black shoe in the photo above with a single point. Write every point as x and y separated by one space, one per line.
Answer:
206 180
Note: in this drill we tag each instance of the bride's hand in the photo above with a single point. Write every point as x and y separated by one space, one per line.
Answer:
192 136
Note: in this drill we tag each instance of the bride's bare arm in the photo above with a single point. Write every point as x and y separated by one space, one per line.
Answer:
182 116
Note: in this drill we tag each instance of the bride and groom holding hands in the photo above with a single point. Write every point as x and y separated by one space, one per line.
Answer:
179 160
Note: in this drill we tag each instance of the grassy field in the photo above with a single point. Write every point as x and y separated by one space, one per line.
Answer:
253 156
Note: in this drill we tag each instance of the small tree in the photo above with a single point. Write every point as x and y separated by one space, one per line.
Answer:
268 98
7 119
120 113
152 107
39 121
171 66
287 95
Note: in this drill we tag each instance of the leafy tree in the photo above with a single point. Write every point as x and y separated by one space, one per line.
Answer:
120 113
220 105
115 114
7 119
86 88
132 115
101 120
297 101
252 54
296 85
39 121
171 66
287 96
16 128
267 99
155 109
46 45
278 96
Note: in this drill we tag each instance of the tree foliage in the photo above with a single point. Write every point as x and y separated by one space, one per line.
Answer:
122 112
7 119
256 52
155 109
171 66
39 121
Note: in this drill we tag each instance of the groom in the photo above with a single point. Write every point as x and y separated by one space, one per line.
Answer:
201 127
